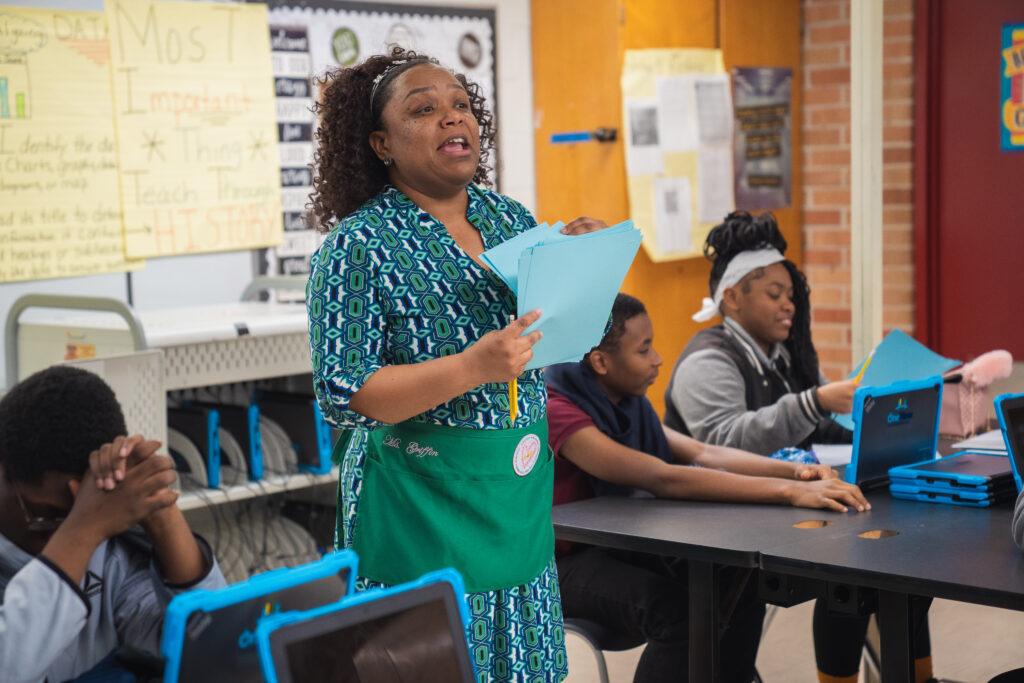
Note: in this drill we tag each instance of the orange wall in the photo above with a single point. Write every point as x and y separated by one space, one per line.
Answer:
578 48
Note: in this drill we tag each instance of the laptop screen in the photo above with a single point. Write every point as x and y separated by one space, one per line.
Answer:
409 637
898 428
220 645
1012 409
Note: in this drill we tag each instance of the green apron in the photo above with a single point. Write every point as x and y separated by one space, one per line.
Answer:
478 500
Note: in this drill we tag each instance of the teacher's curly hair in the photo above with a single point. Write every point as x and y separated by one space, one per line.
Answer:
741 231
346 171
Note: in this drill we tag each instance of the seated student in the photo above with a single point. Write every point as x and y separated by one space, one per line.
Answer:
608 439
753 382
75 586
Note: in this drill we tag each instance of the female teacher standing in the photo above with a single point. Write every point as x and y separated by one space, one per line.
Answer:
412 352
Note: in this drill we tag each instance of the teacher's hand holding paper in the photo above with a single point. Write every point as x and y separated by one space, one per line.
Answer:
583 225
502 355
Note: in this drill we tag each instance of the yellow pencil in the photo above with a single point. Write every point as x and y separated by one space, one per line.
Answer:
864 367
513 392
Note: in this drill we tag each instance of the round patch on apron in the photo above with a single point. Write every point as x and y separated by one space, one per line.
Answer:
526 455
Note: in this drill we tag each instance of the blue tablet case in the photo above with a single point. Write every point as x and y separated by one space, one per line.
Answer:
244 424
993 488
200 425
894 424
449 579
950 497
300 417
210 634
1010 411
967 469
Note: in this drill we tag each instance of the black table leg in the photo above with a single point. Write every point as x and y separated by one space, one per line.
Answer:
896 633
703 622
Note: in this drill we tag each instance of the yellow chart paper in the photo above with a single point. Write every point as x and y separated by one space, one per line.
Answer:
196 131
59 209
664 151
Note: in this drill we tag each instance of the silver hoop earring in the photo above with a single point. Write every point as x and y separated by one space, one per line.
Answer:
387 161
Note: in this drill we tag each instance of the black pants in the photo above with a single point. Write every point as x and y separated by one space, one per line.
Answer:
645 596
839 639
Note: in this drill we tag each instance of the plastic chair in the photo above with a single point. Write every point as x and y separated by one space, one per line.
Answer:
598 639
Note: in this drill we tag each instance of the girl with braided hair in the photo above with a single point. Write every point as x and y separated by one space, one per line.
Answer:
412 353
753 382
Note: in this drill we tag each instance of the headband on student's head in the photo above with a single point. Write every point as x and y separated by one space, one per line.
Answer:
740 266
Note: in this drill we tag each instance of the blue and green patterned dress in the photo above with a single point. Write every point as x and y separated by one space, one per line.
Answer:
390 286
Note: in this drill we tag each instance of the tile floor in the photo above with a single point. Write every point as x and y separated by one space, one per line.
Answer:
970 643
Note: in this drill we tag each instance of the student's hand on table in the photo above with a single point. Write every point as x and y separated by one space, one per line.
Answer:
837 397
110 461
502 355
143 491
811 472
583 225
833 494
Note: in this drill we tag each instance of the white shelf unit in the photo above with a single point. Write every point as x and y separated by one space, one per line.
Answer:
290 483
181 348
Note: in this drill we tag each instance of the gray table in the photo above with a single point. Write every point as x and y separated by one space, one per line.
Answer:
943 551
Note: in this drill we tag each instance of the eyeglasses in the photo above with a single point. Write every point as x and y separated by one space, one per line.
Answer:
36 522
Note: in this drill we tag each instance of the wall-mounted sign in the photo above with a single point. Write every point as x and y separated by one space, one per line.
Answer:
762 144
1011 93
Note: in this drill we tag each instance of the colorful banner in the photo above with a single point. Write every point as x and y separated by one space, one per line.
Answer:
762 143
196 128
59 209
1011 99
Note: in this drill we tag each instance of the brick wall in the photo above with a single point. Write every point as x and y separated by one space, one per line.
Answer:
826 173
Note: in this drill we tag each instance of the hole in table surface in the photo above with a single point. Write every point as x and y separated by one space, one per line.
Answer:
813 524
875 534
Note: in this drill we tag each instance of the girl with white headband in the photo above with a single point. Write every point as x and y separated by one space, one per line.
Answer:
753 383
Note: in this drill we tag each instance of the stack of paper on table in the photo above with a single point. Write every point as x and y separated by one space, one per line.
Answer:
572 279
986 441
898 357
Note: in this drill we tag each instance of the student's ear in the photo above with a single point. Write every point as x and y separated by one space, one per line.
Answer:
599 362
378 141
730 300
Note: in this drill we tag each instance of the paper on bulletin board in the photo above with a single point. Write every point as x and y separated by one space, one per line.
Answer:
60 214
196 131
677 112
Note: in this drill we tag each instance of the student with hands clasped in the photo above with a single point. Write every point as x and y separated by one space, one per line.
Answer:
76 586
608 440
412 352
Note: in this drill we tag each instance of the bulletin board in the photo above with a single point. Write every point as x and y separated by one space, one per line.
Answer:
678 119
311 37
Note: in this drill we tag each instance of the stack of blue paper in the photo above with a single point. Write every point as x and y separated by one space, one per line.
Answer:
573 280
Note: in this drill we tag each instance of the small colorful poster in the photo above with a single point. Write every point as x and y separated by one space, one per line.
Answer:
1011 97
762 146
